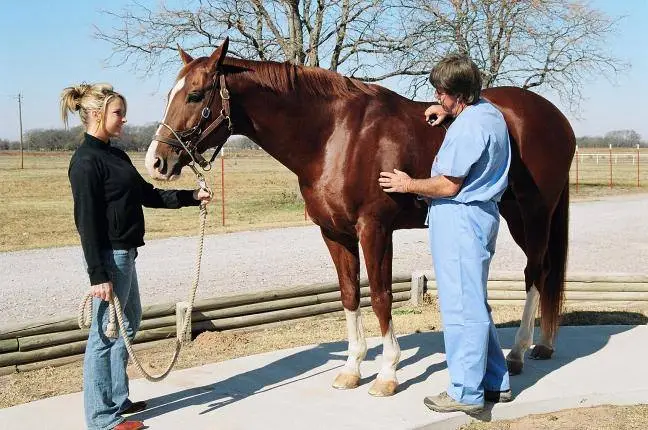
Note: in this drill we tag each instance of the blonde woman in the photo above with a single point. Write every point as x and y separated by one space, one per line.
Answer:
108 197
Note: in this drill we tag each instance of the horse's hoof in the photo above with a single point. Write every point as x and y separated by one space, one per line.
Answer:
514 366
382 388
541 352
346 381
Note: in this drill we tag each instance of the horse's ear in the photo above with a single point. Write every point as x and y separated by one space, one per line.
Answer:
216 59
186 58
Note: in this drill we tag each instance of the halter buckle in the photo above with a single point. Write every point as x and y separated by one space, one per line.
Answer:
228 119
205 112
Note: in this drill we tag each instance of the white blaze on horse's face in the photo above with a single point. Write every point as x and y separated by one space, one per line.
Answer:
154 162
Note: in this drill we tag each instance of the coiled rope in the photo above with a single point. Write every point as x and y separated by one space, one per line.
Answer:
115 310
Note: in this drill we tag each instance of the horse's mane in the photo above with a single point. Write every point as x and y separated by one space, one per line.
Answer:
288 79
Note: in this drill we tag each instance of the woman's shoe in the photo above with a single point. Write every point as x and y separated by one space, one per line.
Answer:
134 408
129 425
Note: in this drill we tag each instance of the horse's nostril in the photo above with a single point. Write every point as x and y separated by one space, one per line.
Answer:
159 164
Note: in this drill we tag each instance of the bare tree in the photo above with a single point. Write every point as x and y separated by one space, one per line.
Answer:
349 36
555 44
527 43
623 138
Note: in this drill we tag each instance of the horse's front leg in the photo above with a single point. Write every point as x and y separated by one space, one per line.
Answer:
346 258
377 247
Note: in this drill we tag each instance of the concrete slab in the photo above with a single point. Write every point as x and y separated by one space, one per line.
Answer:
291 389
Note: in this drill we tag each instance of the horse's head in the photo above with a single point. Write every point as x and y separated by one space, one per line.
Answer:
197 117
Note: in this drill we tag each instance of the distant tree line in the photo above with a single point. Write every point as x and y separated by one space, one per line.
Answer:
616 138
138 138
134 138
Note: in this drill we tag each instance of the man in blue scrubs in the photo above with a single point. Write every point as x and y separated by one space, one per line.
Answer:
468 178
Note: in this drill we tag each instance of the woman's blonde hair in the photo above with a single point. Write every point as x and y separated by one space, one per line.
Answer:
85 98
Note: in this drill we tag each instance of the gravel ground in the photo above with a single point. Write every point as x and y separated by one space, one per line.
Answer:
606 236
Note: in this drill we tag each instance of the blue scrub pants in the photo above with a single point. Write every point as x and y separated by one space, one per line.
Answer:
462 242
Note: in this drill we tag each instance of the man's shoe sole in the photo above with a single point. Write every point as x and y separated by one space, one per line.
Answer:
469 409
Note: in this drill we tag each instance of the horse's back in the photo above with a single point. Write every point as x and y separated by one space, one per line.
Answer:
386 132
543 139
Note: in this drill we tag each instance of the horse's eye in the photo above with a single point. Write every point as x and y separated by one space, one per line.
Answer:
194 97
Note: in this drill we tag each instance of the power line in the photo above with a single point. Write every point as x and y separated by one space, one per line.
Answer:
21 130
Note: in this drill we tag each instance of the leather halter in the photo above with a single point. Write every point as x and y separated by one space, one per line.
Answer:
191 138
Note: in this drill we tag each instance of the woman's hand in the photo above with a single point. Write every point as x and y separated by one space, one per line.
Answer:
202 195
435 115
103 291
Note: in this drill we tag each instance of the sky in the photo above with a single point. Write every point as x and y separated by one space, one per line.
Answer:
46 46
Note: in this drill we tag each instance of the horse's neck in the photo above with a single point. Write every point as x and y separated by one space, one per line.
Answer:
293 132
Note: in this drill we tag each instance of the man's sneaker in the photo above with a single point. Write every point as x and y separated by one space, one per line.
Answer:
444 403
498 396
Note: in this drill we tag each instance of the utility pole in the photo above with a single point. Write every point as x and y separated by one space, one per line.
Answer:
21 133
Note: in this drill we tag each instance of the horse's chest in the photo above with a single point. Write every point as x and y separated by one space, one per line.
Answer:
330 206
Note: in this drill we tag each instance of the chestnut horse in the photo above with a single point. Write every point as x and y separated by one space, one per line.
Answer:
336 134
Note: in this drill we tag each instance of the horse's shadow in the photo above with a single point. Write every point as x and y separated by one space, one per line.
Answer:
293 368
328 357
570 345
278 373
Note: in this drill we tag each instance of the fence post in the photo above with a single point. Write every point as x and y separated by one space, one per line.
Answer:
223 188
419 283
181 311
577 162
637 165
610 166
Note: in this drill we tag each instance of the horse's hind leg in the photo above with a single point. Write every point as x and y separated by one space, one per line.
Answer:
555 266
345 254
377 247
533 241
543 350
524 334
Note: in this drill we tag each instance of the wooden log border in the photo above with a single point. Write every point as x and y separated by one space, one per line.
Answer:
59 341
509 288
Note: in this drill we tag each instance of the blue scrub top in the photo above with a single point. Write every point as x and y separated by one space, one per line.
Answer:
476 148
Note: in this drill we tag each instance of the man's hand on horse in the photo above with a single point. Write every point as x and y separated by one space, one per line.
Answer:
397 182
435 115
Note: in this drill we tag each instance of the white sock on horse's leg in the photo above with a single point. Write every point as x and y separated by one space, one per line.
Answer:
524 334
391 355
357 343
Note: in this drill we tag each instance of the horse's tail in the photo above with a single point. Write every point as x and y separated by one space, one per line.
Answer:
551 298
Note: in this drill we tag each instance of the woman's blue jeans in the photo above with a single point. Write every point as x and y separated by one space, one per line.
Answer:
105 382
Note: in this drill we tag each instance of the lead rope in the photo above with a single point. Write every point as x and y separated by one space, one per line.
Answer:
114 307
